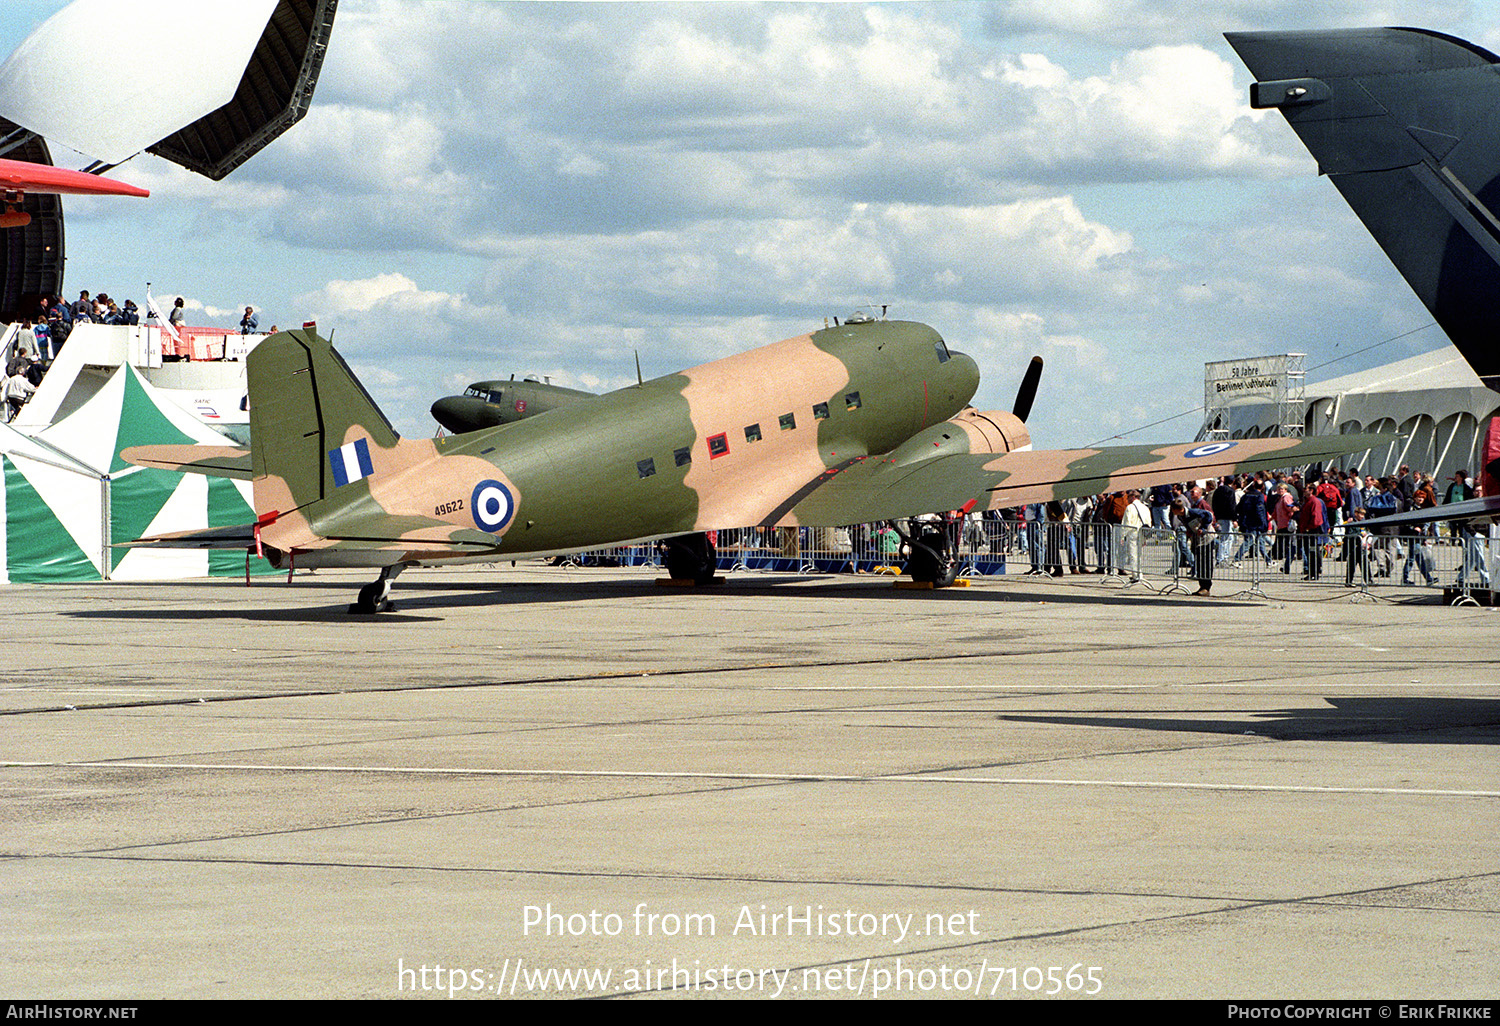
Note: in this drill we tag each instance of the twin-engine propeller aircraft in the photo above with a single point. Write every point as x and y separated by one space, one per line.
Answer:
866 421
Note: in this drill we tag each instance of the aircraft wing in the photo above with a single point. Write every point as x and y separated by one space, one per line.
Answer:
210 460
24 176
880 489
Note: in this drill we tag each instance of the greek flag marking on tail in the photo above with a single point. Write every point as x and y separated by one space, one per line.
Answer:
351 462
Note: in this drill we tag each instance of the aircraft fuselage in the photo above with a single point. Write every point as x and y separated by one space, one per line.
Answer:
720 445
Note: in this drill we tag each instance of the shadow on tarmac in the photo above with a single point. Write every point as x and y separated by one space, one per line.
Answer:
1405 720
425 601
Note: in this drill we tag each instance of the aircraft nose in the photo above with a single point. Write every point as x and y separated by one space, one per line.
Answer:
460 413
965 374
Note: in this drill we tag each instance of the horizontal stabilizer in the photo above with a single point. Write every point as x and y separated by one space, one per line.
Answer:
239 537
209 460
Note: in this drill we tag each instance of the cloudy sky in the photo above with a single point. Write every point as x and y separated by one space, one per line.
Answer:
487 188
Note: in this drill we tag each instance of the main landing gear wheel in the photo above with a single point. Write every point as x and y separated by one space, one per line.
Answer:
932 560
691 557
375 597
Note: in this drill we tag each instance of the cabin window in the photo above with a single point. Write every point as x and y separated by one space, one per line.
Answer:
645 467
752 433
682 456
788 421
718 445
851 401
942 350
820 411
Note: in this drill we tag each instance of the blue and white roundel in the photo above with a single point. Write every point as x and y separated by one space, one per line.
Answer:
1211 449
492 505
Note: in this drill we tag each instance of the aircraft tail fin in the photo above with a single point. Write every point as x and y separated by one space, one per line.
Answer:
313 427
1406 124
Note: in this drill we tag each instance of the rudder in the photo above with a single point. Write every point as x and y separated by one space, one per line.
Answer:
312 424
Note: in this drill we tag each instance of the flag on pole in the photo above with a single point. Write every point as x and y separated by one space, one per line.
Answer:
161 318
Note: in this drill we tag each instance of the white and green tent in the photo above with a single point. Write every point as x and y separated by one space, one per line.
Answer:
54 513
69 496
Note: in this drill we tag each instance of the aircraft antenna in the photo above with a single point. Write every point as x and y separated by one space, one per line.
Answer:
639 381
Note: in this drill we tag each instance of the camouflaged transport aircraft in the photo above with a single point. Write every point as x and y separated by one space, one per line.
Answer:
866 421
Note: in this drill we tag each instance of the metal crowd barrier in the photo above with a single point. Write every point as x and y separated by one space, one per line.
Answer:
1159 559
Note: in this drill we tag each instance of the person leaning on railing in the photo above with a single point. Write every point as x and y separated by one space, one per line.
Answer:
1196 527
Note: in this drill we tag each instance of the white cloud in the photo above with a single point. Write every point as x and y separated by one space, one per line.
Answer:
483 188
391 295
1172 108
1146 22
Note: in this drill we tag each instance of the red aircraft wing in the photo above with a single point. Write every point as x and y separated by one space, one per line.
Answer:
23 176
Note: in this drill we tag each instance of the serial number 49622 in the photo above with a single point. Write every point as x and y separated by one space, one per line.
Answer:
448 507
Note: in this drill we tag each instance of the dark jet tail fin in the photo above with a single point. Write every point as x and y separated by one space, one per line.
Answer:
1406 124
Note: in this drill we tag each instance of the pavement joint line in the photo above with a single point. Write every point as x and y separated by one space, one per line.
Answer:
796 777
1226 906
629 679
1226 902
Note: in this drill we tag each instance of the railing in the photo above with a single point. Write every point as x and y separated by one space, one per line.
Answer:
1361 562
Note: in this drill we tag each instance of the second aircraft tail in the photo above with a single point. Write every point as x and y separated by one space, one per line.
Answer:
1406 123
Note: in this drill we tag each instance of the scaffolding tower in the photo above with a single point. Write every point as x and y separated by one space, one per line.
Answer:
1279 381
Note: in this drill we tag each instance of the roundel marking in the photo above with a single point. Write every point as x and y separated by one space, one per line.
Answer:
493 505
1211 449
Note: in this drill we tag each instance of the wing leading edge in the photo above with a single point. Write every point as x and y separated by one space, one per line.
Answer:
879 489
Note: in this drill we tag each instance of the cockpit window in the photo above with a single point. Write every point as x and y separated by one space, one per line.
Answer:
942 350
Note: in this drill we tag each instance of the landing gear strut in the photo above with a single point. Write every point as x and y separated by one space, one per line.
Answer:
932 553
691 557
375 597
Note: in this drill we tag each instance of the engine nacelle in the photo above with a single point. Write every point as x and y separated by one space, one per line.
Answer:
996 431
992 431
